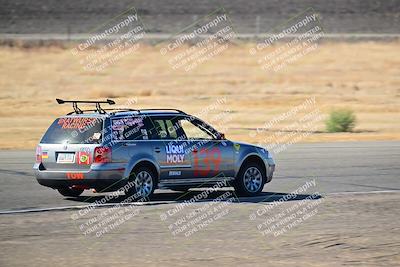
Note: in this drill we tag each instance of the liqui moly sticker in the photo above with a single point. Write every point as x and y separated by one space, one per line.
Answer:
175 154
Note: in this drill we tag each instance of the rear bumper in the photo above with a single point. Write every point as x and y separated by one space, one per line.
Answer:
109 176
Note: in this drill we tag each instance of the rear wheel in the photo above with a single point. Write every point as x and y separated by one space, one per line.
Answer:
70 192
144 183
250 180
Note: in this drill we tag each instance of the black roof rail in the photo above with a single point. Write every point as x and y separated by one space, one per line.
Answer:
105 109
77 110
121 109
161 109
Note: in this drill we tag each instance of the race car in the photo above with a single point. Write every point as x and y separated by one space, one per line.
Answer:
140 150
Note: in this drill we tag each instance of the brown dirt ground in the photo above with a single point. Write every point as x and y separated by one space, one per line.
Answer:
362 76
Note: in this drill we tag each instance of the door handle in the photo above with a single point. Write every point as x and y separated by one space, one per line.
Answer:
157 149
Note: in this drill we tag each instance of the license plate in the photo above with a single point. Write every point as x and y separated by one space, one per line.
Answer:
66 158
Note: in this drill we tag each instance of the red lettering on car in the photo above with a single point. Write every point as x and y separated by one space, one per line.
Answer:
75 176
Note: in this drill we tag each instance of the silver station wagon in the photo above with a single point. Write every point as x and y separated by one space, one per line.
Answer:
142 150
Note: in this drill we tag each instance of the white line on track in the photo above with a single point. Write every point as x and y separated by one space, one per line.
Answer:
362 192
78 207
4 212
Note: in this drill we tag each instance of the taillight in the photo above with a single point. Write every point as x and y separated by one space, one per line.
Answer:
102 155
38 154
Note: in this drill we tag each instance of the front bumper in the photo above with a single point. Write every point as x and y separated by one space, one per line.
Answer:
97 177
270 168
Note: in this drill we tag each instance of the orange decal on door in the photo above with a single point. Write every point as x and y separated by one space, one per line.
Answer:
209 161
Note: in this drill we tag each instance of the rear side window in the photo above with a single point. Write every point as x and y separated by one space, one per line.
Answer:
74 130
129 128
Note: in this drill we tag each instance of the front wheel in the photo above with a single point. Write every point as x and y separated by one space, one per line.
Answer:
250 180
70 192
144 183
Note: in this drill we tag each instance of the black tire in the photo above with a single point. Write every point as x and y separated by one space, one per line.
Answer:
246 183
70 192
140 177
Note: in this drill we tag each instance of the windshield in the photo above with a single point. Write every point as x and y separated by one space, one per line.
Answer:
81 130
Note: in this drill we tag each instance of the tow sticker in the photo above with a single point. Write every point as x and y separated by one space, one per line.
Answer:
75 176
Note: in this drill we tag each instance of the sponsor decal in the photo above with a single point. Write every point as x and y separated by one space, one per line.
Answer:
83 158
118 124
144 134
174 173
96 136
236 146
45 155
124 128
175 153
75 176
76 123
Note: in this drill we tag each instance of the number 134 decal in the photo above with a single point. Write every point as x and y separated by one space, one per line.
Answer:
206 161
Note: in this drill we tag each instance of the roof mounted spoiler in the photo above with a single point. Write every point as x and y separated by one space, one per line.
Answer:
79 111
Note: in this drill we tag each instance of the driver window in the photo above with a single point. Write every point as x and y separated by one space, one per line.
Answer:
192 131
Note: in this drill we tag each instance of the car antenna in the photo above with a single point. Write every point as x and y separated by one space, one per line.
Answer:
79 111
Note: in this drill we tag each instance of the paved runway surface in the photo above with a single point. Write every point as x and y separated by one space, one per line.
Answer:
336 167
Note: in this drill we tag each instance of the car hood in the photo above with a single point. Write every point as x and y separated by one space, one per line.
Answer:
247 144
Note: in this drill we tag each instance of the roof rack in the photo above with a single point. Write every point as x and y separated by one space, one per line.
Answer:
105 109
161 109
77 110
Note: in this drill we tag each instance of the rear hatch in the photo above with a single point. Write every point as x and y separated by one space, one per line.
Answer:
69 143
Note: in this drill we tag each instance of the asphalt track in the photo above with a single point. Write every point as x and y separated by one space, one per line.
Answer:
171 16
338 168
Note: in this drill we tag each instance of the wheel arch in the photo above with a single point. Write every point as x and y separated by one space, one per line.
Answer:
144 163
252 158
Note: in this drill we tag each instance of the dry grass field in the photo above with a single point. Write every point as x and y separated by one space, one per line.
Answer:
363 76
